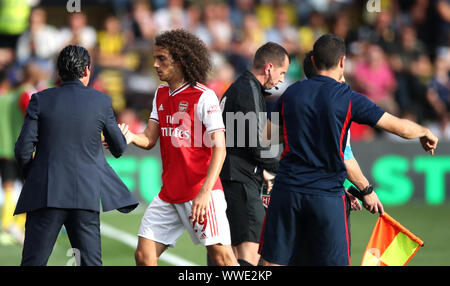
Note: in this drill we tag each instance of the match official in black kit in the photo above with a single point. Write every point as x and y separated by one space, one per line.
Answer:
245 169
68 177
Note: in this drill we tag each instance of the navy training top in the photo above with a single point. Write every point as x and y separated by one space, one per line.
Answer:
316 114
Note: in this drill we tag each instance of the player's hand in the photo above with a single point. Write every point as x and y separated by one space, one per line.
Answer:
268 179
372 203
126 132
355 205
429 142
200 206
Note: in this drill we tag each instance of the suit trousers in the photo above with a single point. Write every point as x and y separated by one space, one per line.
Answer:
43 226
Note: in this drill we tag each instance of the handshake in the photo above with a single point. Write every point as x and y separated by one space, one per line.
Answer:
129 136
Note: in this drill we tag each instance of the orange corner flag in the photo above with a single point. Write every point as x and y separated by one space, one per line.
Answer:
391 244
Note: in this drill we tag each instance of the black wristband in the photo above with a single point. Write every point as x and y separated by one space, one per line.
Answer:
360 194
367 190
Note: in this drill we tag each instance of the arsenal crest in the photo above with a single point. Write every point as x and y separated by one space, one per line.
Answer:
265 200
183 106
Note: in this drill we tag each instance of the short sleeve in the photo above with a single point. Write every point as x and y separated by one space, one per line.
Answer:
209 112
365 111
154 115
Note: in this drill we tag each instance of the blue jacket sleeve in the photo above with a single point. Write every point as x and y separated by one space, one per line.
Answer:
113 136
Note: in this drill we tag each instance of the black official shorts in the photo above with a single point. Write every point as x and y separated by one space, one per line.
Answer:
9 170
245 211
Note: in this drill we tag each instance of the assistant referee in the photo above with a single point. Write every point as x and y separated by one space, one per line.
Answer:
306 220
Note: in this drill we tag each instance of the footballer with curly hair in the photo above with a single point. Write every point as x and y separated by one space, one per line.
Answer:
187 119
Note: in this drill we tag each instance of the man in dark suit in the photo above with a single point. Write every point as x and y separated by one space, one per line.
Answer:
68 176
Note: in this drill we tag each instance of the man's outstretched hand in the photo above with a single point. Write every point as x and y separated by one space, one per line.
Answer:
429 142
126 132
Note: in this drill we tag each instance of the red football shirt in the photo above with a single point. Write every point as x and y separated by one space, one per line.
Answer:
186 117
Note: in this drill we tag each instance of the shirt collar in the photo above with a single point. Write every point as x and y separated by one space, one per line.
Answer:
178 89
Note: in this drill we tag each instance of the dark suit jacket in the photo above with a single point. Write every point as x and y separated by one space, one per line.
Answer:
69 169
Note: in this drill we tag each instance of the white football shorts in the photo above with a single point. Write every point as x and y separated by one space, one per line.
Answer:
165 222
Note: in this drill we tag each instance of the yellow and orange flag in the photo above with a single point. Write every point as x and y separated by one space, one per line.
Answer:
391 244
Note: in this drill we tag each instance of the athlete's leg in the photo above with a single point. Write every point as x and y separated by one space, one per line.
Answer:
160 228
222 255
148 252
210 262
267 263
214 232
14 226
9 204
248 251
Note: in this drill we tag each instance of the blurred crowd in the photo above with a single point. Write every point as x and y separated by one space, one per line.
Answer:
398 52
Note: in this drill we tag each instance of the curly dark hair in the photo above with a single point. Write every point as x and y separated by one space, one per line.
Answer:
189 51
71 62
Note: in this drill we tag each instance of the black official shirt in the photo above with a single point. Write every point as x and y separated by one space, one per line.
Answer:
245 115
